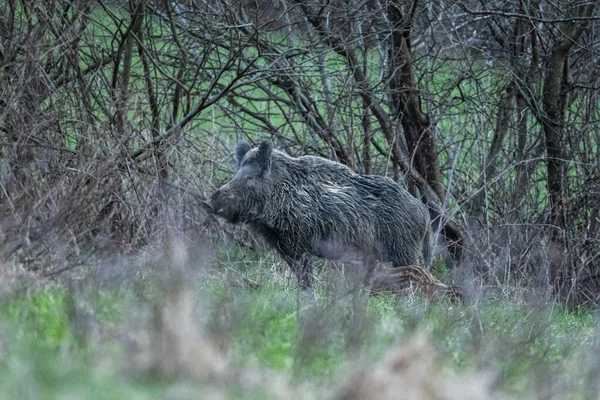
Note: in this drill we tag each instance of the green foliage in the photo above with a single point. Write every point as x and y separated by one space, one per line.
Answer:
267 333
40 319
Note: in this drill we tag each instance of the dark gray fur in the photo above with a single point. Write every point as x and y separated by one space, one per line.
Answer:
311 206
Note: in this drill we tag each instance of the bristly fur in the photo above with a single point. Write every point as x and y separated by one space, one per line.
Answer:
311 206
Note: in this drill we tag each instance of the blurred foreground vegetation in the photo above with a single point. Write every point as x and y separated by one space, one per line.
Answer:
85 339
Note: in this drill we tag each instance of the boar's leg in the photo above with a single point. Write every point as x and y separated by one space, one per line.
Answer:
302 268
304 273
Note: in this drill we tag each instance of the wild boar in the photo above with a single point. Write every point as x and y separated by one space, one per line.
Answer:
310 206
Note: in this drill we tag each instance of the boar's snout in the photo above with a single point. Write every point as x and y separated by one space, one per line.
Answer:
213 204
222 205
208 206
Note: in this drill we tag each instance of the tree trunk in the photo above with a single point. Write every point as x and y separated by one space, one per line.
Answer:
554 104
407 100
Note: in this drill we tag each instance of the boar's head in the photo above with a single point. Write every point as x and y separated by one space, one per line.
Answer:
245 197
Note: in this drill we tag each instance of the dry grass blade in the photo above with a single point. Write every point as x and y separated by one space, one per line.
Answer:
179 350
412 372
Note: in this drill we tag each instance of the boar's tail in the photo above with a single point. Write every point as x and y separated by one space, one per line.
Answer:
428 248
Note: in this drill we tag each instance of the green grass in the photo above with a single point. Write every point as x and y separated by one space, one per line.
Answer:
48 351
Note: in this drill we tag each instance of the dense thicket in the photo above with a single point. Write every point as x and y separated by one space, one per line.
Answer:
113 114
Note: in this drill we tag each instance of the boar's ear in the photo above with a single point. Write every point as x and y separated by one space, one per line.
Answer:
240 151
264 155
